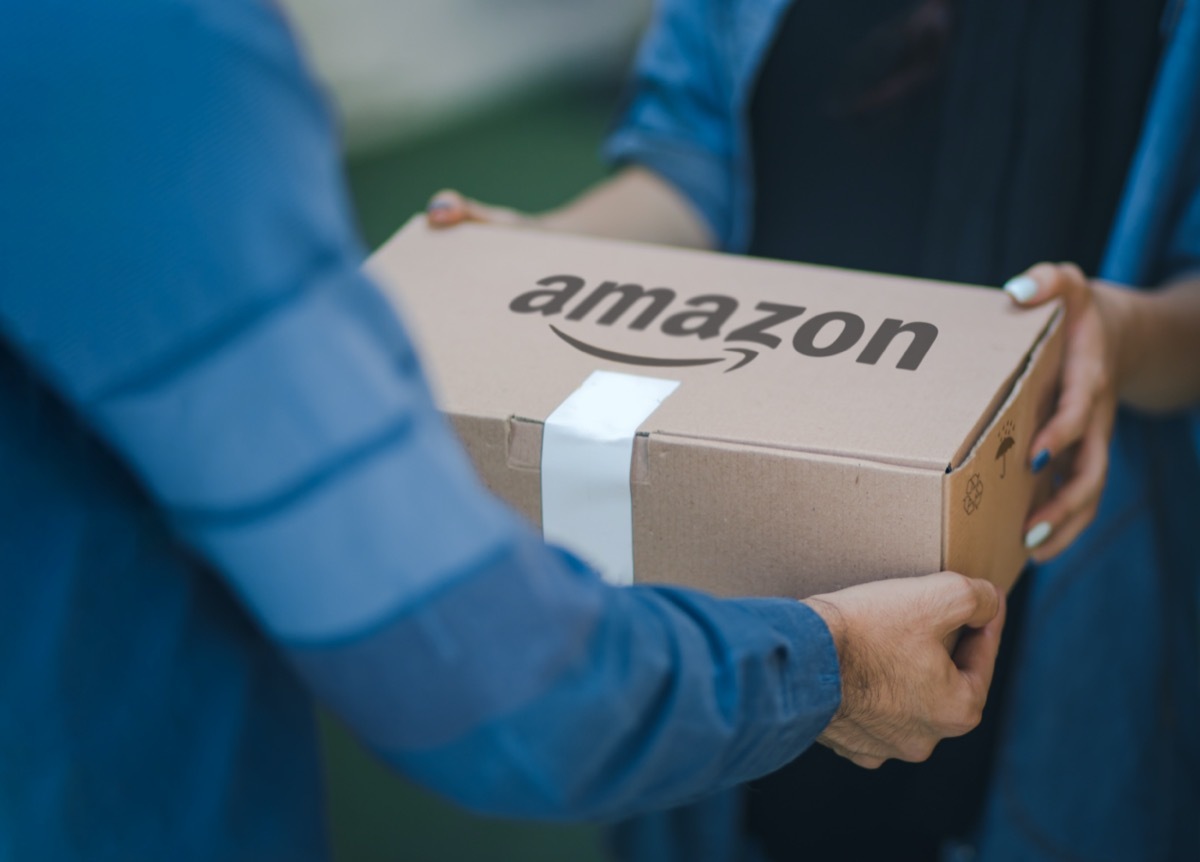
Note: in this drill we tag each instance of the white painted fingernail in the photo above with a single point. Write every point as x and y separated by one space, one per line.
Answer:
1038 534
1022 288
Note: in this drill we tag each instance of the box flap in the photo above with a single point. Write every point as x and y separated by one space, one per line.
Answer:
773 354
987 499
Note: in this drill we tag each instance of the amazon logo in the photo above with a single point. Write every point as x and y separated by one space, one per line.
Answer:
718 322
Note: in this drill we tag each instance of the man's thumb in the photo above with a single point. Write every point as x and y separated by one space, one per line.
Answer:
968 602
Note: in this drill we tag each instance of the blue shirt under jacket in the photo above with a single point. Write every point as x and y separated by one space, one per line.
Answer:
224 486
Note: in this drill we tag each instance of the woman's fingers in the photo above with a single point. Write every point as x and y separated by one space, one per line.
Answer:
1086 389
1085 411
1035 286
1066 427
448 208
1047 281
1050 530
1086 377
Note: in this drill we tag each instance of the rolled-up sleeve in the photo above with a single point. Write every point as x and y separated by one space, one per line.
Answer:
188 279
677 118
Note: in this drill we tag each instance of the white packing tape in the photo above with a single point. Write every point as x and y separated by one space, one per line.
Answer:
587 450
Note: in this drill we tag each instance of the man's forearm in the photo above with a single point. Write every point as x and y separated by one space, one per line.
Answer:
532 690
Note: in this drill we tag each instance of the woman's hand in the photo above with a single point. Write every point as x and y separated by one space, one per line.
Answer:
634 204
1078 434
448 208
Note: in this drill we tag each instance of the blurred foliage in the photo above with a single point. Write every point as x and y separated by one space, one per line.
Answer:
377 817
400 69
531 156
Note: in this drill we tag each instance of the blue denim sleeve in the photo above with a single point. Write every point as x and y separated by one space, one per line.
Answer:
1172 154
1179 94
177 261
1183 251
678 119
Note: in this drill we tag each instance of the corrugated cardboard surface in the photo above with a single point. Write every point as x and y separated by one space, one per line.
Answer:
994 489
793 473
741 520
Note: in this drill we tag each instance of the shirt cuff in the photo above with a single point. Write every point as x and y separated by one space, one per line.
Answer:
813 674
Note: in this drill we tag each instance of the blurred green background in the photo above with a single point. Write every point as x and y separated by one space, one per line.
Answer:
531 152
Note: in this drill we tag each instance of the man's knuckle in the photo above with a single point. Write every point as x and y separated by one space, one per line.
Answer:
968 718
960 587
918 751
956 719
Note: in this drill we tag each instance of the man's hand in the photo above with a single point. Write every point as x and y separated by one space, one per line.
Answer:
906 684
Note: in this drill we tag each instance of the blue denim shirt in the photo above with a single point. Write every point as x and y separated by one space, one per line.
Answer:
225 488
1100 756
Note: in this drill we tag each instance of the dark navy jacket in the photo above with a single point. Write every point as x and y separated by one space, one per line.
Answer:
1100 758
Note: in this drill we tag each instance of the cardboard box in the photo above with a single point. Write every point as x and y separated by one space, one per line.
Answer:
828 428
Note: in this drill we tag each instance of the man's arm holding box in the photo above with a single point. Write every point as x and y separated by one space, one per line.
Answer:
214 328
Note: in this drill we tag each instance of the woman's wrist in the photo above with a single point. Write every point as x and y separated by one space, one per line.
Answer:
1124 317
1155 344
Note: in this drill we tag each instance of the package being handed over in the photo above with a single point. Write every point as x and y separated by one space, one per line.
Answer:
742 426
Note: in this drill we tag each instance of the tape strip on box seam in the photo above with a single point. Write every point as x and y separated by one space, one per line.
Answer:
587 454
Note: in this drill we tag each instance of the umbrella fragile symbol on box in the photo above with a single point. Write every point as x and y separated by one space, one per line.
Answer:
1007 441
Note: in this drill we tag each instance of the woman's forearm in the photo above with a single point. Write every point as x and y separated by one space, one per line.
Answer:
634 204
1159 351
